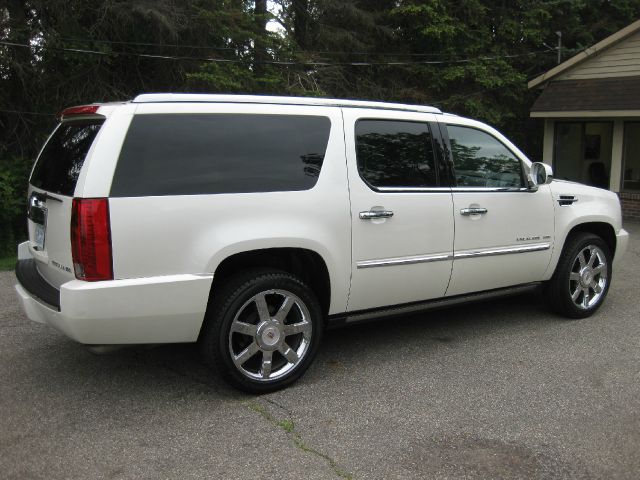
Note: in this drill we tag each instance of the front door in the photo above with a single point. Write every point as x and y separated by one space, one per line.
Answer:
504 230
402 237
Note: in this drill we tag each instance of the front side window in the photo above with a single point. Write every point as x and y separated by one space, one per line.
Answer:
394 153
192 154
481 160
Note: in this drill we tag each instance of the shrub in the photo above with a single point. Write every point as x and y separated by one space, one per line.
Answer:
14 173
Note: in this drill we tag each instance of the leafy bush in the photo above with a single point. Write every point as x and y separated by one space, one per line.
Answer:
14 173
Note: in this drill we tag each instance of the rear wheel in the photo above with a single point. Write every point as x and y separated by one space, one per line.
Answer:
262 330
581 280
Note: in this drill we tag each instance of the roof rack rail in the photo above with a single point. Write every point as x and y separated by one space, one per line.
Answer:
264 99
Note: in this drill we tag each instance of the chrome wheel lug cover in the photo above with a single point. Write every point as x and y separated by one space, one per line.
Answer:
276 343
588 277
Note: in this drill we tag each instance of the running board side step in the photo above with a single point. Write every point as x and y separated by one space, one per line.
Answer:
350 318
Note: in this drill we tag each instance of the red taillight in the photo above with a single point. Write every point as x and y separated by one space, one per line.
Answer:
91 239
79 110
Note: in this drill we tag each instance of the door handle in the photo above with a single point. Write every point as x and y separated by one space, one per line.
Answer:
473 211
376 214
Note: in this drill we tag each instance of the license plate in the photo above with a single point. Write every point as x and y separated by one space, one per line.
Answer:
39 236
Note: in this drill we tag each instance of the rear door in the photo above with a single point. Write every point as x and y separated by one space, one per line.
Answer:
402 218
51 190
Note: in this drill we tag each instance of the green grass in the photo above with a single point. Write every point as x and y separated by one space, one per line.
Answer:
289 427
7 263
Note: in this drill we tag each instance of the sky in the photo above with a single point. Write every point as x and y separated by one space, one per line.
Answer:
273 25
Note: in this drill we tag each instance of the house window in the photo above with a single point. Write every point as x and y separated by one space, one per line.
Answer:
631 157
582 152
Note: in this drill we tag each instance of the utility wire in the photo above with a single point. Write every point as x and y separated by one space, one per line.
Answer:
280 62
202 47
20 112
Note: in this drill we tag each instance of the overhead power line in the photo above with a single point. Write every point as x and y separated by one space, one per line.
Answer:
203 47
21 112
310 63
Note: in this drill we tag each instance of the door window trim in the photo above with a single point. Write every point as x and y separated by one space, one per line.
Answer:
457 189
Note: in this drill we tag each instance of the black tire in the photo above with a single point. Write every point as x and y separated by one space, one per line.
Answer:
236 303
561 286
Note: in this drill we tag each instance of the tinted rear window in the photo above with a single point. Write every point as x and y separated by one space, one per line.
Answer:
59 164
393 153
189 154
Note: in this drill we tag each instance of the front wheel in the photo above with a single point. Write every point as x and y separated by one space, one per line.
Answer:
263 330
581 280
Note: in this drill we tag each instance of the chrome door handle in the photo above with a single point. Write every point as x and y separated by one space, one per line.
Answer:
376 214
473 211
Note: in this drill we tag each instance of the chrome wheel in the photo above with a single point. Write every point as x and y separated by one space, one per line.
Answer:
588 277
270 335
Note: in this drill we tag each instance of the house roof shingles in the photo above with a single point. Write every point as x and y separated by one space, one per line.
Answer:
616 93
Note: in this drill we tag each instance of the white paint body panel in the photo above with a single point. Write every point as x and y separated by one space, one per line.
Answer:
510 215
593 205
164 309
166 249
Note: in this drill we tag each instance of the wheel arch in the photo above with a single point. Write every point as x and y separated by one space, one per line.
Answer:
306 264
602 229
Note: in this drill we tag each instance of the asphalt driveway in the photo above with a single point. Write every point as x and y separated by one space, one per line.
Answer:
495 390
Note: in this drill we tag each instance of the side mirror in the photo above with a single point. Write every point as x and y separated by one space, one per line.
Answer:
541 173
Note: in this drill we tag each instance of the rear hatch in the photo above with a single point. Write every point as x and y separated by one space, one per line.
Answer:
51 189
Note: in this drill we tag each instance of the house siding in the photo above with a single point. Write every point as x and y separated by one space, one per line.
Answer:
621 60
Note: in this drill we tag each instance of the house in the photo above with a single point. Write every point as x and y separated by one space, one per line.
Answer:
591 110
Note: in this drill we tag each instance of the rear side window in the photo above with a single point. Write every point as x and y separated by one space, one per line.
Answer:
395 153
190 154
59 164
481 160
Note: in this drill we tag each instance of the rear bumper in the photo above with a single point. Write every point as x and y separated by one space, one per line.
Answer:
33 283
166 309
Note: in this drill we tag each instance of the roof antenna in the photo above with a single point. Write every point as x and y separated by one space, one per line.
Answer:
559 34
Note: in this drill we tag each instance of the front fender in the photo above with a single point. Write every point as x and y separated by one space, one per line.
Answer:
592 205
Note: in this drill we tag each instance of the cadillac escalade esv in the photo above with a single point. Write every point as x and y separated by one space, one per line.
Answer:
249 223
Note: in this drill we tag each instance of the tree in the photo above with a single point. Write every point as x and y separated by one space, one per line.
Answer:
472 57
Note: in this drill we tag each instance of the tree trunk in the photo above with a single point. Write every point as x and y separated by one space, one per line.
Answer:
260 53
301 23
19 57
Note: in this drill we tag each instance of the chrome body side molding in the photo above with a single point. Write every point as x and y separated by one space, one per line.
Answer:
489 252
439 257
388 262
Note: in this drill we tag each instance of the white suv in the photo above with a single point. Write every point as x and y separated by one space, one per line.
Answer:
250 223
